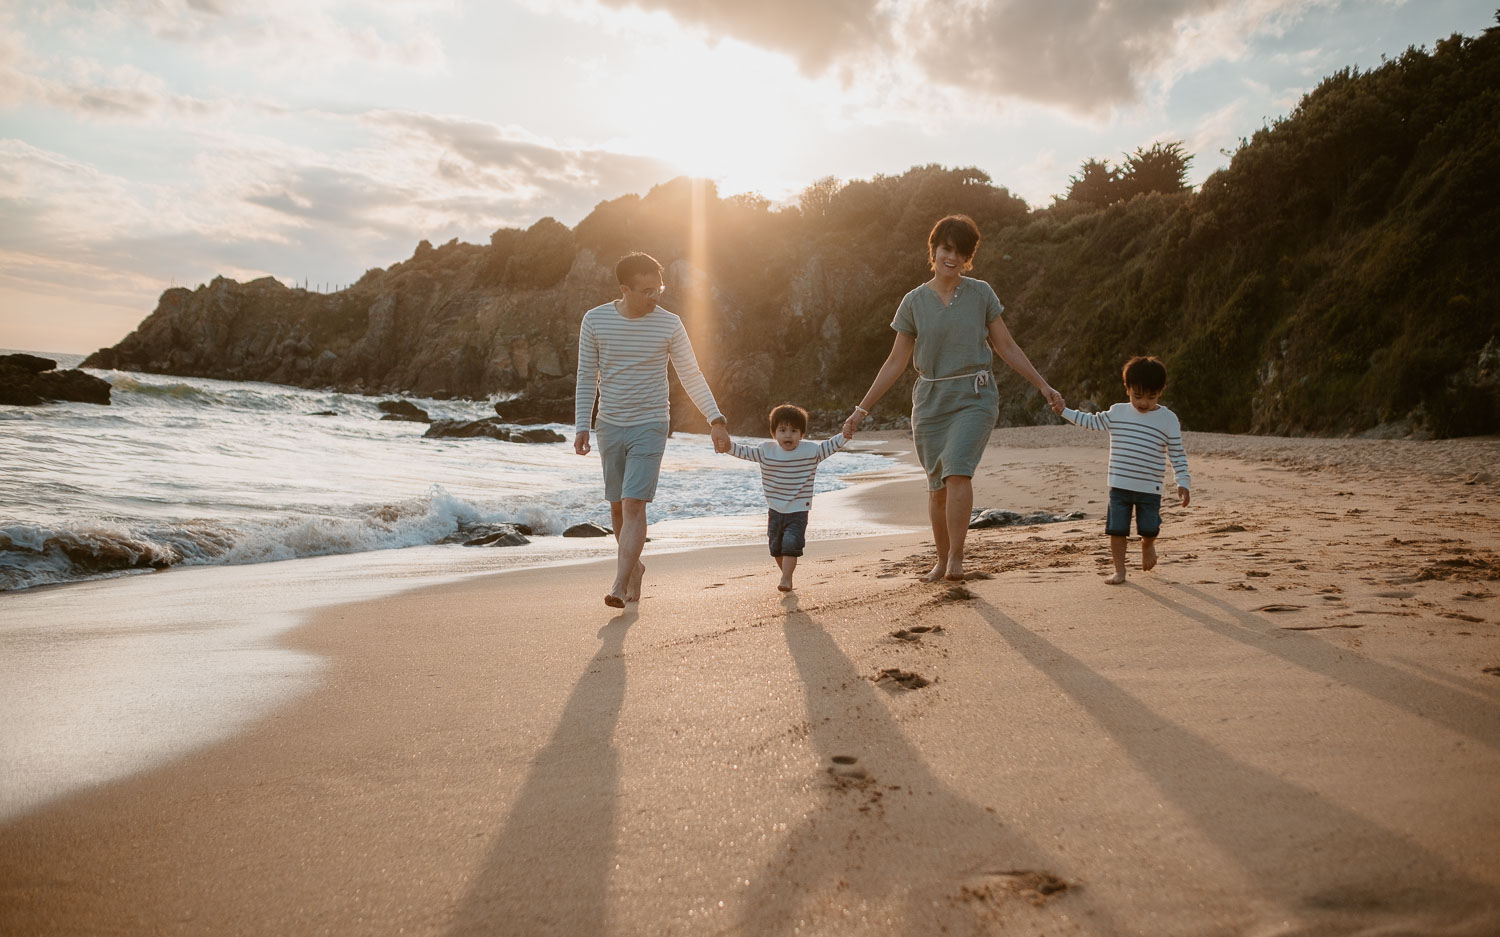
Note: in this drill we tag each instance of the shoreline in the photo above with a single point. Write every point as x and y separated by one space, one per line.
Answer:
1286 729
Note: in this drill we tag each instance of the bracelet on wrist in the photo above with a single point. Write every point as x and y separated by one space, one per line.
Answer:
859 409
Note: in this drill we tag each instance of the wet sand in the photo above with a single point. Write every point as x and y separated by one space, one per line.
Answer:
1291 726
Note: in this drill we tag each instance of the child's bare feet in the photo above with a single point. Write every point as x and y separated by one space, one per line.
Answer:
1148 554
1116 579
633 586
785 585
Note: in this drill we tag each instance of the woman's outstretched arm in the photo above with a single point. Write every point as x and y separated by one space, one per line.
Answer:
895 364
1012 355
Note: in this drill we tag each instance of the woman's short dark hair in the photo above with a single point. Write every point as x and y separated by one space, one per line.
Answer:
1145 373
633 265
789 415
958 231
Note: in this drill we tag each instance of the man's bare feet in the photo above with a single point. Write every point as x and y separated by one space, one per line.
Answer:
1115 579
936 573
614 601
1148 554
633 587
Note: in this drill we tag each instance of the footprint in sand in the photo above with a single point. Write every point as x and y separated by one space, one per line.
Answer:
1492 671
1279 608
915 632
905 678
847 766
1031 885
713 585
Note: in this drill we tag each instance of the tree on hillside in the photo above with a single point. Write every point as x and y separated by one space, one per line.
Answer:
1096 184
1163 168
817 198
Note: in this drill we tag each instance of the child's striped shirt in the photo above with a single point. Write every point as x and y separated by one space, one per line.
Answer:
1139 444
625 360
787 477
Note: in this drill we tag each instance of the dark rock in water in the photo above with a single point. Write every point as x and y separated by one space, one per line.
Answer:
981 518
324 413
33 363
24 382
403 410
491 427
467 429
551 402
587 529
488 535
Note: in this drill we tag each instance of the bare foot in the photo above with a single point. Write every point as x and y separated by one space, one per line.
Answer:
614 601
784 585
955 572
1115 580
1148 555
937 572
633 587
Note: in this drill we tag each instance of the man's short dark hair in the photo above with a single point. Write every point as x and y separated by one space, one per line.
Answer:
1145 373
633 265
960 231
789 415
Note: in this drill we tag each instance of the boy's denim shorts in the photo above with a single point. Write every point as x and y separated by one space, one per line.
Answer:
787 532
632 459
1147 507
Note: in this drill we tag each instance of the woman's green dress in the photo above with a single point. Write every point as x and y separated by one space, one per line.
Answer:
954 403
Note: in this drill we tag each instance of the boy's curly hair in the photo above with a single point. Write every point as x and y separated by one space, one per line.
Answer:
1145 373
790 415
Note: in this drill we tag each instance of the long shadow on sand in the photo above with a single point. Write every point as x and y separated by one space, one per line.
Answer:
1331 870
548 872
895 851
1479 719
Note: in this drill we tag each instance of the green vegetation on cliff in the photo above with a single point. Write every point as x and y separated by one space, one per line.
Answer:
1339 275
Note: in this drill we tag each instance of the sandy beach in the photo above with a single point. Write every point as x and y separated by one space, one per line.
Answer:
1291 726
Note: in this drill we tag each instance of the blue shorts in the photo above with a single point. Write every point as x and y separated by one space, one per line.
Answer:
787 532
1147 507
632 459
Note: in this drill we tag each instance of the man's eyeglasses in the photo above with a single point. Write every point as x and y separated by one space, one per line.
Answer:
652 293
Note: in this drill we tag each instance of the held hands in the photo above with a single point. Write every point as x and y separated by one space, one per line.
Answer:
851 425
581 443
1054 400
720 434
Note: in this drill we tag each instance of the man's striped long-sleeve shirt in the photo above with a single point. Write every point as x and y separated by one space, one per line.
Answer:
1139 444
787 477
625 361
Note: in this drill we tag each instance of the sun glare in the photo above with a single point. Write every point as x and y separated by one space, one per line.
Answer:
728 112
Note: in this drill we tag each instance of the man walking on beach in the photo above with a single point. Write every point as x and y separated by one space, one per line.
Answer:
623 350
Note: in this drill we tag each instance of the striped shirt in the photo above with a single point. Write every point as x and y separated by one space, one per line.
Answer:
1139 444
787 477
625 360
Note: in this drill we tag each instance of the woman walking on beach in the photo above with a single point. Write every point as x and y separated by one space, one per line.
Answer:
948 328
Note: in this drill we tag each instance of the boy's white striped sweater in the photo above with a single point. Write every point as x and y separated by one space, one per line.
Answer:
625 360
787 477
1139 444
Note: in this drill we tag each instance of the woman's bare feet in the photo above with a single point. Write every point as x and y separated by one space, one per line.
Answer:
1148 554
633 587
955 571
614 601
936 573
1116 579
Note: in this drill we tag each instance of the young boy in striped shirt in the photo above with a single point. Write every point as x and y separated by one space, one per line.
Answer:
788 468
1142 434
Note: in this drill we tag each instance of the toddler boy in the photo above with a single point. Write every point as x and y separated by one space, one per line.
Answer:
788 468
1142 433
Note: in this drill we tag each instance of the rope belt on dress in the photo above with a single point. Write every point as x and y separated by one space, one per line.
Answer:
981 379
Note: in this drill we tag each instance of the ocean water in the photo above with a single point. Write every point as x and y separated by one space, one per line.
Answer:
152 552
190 472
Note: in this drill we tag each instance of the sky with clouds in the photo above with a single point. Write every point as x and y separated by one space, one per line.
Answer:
151 143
